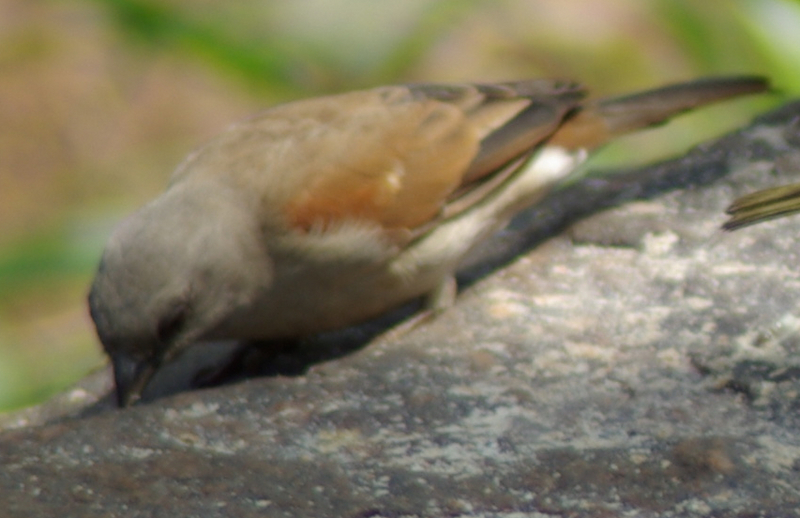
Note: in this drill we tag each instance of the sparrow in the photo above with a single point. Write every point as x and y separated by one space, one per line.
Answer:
762 206
323 213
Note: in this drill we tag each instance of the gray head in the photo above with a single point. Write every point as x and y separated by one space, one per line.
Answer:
169 275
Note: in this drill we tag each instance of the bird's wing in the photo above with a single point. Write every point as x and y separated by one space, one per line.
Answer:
391 155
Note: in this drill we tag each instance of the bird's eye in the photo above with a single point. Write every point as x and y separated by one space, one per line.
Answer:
172 322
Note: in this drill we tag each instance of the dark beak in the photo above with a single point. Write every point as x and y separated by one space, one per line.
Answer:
131 377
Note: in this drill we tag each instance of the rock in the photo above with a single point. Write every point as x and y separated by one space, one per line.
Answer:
642 362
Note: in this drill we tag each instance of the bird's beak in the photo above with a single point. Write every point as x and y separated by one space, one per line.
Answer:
131 377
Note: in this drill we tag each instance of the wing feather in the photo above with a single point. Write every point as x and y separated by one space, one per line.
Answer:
393 155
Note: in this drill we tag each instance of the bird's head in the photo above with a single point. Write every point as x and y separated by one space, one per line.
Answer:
170 274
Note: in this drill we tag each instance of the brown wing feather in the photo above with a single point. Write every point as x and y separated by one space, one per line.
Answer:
394 168
439 138
548 104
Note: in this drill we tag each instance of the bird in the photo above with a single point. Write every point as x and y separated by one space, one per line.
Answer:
323 213
763 205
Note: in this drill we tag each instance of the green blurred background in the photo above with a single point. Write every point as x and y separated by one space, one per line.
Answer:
100 99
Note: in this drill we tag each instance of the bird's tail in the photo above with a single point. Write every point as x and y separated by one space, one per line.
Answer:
607 118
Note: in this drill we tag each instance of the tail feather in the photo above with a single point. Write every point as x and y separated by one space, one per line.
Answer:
652 107
600 121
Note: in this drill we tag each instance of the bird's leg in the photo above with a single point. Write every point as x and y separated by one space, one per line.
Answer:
435 302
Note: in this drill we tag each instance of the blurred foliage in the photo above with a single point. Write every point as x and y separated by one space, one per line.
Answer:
102 97
160 24
282 62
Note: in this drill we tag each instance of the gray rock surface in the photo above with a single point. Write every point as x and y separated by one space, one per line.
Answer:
640 363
